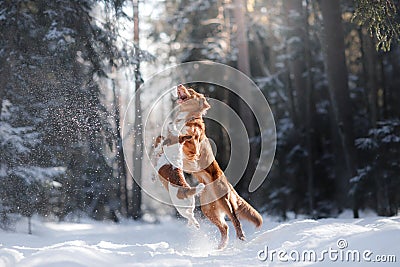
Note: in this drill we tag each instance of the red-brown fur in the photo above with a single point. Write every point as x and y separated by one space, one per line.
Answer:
196 150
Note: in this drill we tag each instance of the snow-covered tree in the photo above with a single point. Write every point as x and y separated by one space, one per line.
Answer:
24 181
53 54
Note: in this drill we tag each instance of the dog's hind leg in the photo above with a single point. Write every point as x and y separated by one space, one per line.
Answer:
235 221
219 221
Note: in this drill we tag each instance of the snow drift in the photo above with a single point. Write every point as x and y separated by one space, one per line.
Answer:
172 243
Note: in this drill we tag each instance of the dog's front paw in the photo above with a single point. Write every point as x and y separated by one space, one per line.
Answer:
193 222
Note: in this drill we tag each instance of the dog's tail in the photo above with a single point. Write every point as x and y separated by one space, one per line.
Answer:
247 212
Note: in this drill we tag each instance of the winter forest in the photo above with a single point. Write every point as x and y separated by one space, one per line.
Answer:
330 71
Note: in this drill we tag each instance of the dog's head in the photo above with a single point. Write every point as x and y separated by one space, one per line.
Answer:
191 101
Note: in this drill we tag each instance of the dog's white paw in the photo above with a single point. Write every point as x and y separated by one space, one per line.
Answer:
192 222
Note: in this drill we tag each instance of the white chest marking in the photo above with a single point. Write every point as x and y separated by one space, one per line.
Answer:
180 122
173 154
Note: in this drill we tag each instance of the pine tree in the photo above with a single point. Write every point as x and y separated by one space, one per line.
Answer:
54 54
382 20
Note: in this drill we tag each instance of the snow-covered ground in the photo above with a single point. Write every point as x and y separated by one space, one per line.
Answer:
172 243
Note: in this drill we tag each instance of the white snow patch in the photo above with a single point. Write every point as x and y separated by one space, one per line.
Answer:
171 243
9 257
56 184
32 173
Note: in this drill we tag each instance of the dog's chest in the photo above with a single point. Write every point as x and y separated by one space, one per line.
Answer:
180 123
173 155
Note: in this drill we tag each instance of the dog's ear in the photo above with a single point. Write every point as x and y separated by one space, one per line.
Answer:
183 138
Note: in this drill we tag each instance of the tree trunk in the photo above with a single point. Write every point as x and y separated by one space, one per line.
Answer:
138 144
226 13
291 98
392 93
243 64
310 108
122 177
294 12
336 70
370 71
29 225
299 64
4 76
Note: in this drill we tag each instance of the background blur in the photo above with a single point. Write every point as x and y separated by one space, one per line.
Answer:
330 70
